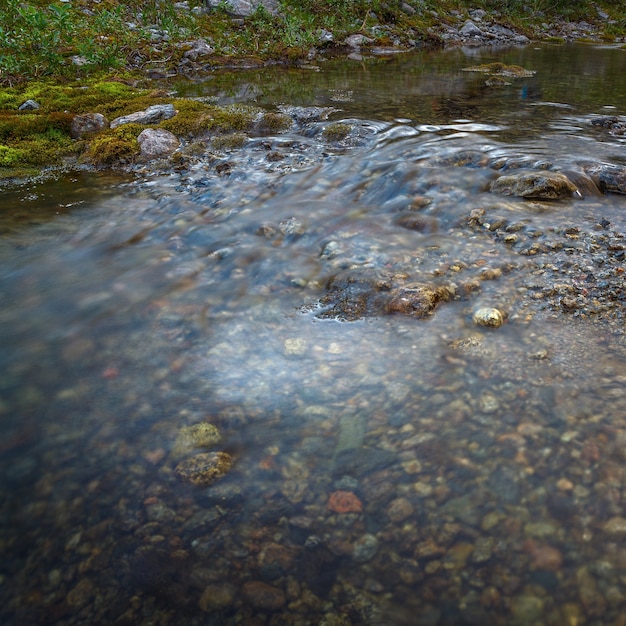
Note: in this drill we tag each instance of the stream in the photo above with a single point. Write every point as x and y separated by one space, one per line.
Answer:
255 388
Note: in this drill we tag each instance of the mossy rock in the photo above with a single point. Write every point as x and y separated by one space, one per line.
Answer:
231 141
235 118
337 132
204 469
190 438
273 122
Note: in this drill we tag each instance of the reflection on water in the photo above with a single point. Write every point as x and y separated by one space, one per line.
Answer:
395 469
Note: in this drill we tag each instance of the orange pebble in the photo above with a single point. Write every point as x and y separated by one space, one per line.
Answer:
344 502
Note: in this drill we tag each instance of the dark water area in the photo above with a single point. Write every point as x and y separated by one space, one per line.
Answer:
256 389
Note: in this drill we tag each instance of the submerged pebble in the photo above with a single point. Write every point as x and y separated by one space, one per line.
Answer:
204 469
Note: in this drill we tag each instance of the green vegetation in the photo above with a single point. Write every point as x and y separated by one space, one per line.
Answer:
87 56
43 137
90 37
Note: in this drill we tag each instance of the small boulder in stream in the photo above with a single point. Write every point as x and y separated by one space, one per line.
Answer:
356 294
157 142
204 469
608 177
540 185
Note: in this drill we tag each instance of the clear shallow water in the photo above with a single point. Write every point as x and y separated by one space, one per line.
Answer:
488 464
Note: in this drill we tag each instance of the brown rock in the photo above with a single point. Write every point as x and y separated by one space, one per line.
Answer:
616 527
274 554
399 509
87 123
204 469
217 596
418 300
81 594
260 595
543 557
541 184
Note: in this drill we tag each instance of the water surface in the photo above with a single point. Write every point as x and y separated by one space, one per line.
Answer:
387 469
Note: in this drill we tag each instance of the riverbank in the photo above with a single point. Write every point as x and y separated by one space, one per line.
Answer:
103 61
81 38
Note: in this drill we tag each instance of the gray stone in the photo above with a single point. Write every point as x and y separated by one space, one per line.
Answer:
469 29
157 142
608 177
200 48
357 40
244 8
87 123
152 115
29 105
365 548
478 14
325 36
542 185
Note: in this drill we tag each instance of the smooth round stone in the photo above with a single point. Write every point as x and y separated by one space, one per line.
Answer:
492 318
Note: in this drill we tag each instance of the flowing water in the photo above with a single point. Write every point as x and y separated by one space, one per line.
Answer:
386 468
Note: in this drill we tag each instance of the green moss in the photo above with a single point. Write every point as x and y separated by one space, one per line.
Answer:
8 174
193 119
115 146
234 118
10 157
337 132
229 142
114 89
274 122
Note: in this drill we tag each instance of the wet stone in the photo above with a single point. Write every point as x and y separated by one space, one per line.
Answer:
483 549
365 548
465 508
362 461
190 438
414 300
526 610
399 509
81 594
542 185
216 597
263 596
489 317
616 527
204 469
